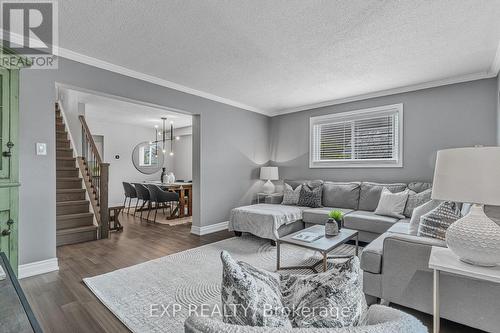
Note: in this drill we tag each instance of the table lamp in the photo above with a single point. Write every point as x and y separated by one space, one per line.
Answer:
268 173
471 175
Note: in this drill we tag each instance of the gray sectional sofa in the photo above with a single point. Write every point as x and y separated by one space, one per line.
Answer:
357 200
395 262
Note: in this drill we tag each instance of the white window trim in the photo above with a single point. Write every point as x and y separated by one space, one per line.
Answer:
361 163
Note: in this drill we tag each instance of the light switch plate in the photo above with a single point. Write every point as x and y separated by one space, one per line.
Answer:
41 148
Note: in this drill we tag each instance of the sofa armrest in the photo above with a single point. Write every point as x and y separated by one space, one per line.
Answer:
274 199
405 262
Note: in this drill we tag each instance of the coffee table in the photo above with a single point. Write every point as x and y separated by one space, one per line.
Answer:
324 245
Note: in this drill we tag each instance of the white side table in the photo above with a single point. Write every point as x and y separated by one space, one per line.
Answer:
443 260
265 195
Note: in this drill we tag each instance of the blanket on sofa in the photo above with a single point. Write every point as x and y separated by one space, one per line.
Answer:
263 220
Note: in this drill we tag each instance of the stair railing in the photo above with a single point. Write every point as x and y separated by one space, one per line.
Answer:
96 178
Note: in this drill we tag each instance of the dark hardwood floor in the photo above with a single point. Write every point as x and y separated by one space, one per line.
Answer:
62 303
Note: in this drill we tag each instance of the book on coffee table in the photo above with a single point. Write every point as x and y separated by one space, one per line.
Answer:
307 236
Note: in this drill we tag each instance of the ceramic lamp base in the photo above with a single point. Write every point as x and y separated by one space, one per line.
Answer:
475 238
268 187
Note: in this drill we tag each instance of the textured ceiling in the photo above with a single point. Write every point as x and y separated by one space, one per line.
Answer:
283 54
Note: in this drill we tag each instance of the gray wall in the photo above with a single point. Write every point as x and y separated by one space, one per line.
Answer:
450 116
233 144
498 110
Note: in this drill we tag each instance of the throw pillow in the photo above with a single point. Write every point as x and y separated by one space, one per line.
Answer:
250 296
310 197
435 223
392 204
418 212
291 196
333 299
416 199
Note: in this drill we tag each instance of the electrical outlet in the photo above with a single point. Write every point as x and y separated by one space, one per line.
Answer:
41 148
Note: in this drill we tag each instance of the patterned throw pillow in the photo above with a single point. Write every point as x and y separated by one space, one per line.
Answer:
250 296
435 223
291 196
310 197
333 299
416 199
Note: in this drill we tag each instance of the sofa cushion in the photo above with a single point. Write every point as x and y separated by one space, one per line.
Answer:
290 195
368 221
435 223
342 195
371 257
400 227
392 204
320 215
370 194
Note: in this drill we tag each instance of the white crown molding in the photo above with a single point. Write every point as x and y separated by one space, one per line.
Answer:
38 267
208 229
420 86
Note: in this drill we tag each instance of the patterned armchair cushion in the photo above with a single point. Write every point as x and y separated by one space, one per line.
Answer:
332 299
250 296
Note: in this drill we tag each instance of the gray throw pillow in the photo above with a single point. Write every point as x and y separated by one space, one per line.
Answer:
310 197
291 196
435 223
392 204
333 299
416 199
250 296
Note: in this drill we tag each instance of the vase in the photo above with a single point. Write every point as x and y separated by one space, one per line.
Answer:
163 173
331 228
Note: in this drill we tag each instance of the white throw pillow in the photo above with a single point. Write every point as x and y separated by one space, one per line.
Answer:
392 204
417 214
291 196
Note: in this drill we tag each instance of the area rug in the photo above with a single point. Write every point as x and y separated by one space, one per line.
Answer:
158 295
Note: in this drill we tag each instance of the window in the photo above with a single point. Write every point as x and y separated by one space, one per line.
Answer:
363 138
148 155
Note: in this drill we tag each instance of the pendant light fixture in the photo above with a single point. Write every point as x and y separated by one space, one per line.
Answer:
163 140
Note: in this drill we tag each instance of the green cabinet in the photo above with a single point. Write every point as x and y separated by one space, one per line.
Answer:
9 163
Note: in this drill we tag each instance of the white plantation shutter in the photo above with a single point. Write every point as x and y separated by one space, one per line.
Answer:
370 137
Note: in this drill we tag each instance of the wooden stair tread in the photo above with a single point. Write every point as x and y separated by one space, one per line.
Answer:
73 216
72 202
69 190
64 149
66 168
64 158
76 230
68 178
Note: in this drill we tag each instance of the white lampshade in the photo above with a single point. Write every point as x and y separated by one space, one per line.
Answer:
469 175
269 173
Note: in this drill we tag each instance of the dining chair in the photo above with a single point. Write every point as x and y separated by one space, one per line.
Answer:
159 196
142 194
130 193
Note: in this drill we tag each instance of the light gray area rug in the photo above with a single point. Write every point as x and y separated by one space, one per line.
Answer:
158 295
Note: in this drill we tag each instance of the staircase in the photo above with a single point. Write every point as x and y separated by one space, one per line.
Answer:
74 220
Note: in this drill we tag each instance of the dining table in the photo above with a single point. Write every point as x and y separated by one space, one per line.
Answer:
185 191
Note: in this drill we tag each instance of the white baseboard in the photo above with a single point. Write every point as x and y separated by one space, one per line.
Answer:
208 229
38 267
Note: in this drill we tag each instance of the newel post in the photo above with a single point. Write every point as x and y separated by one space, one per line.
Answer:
103 200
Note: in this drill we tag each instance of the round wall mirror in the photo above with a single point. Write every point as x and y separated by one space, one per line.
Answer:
148 158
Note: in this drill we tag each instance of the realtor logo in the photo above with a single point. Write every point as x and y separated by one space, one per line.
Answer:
30 30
